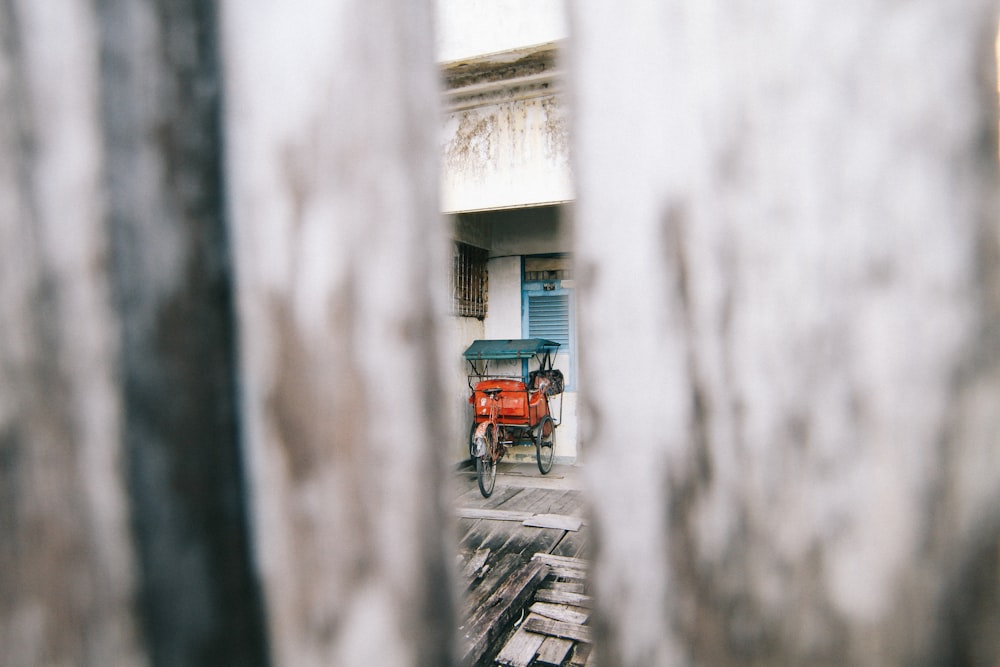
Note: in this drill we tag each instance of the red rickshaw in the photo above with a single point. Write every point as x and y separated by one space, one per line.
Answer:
512 382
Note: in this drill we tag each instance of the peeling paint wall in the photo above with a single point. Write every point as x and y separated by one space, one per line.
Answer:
506 154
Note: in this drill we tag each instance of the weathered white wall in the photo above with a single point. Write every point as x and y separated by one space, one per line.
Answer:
503 319
506 154
468 28
459 334
567 436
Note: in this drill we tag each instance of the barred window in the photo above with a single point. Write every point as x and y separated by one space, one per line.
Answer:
469 281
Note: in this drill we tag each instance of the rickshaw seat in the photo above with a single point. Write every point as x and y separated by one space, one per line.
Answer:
517 403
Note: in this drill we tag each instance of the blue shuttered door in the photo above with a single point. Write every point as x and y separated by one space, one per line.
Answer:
548 313
548 317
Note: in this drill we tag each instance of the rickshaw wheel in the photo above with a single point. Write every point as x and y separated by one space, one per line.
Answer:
486 467
545 444
486 471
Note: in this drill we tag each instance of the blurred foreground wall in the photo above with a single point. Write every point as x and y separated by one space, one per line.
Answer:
153 508
787 222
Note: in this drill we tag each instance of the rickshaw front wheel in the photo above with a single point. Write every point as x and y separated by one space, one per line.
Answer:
545 444
486 471
486 467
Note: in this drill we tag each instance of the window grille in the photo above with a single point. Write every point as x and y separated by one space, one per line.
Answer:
469 281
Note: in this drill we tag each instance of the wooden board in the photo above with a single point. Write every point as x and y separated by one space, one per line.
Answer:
492 619
493 514
568 572
553 559
580 633
479 591
495 525
503 537
536 500
564 586
569 501
574 544
563 597
581 656
559 612
520 649
558 521
510 537
476 566
553 651
473 498
564 567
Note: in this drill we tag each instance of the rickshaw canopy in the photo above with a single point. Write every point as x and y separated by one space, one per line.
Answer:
517 348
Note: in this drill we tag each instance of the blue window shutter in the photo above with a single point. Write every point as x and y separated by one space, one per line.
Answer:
548 317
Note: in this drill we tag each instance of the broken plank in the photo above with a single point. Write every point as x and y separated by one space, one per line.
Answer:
563 597
545 626
520 649
496 515
492 619
558 521
474 567
553 651
559 612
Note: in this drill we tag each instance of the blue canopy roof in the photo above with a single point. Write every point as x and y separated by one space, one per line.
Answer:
519 348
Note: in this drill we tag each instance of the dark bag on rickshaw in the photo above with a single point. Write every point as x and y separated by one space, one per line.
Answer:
550 382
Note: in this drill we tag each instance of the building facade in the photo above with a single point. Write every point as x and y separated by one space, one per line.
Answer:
507 186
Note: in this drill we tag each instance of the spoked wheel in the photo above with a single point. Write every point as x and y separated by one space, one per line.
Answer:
545 443
486 467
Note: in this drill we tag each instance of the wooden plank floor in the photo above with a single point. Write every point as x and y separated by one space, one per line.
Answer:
503 623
